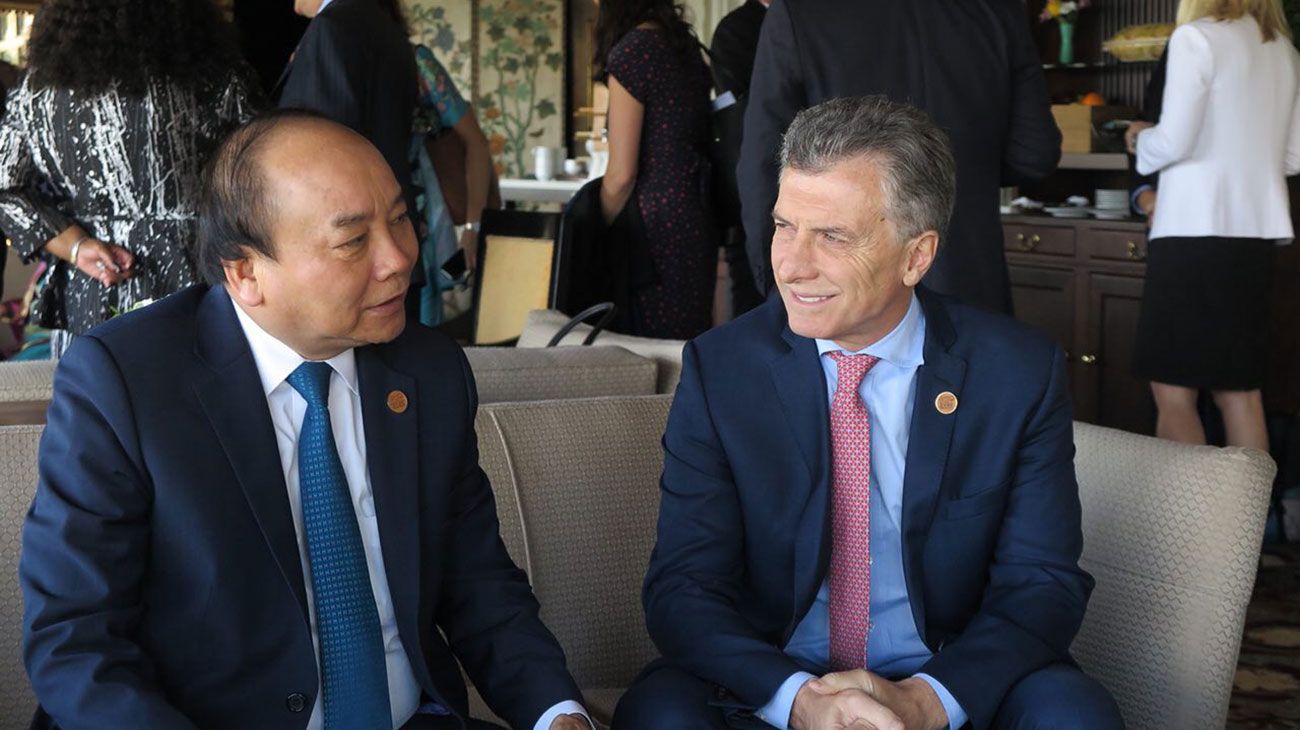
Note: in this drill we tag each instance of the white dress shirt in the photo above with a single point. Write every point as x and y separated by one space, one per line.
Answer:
1229 133
275 361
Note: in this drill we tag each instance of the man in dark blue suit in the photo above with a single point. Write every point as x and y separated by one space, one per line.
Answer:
869 512
260 504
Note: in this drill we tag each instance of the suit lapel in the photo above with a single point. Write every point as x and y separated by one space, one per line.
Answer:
928 443
392 458
800 386
233 400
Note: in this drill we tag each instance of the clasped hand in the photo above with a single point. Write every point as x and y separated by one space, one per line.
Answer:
860 700
570 722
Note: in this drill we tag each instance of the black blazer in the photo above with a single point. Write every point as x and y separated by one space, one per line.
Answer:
160 542
1152 102
971 65
735 42
355 65
603 262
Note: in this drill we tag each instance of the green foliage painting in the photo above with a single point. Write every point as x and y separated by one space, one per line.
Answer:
519 62
432 28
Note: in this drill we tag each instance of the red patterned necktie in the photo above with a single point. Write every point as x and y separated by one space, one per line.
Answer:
850 570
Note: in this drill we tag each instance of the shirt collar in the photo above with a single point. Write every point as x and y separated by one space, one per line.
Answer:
276 360
323 5
903 347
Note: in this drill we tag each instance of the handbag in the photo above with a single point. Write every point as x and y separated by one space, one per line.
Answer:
607 310
447 153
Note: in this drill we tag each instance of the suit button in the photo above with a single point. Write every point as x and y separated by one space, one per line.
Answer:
296 702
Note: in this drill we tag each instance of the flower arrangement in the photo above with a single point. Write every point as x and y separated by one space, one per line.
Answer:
1065 14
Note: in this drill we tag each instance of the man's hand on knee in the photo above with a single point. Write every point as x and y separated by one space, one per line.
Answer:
818 706
912 703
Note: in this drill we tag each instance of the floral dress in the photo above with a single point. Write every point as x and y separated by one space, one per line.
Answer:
439 107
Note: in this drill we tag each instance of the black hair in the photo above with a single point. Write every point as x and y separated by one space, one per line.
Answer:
615 18
94 45
234 213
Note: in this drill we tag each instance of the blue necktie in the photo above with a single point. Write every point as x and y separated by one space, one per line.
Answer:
354 675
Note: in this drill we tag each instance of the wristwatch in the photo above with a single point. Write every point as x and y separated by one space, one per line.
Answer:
472 226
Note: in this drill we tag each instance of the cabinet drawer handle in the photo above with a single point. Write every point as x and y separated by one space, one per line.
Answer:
1088 359
1133 251
1030 244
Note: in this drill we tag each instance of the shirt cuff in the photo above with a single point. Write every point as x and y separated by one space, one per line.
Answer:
956 715
567 707
777 712
1133 197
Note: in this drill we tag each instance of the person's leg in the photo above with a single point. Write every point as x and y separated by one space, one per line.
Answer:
446 722
1176 417
1243 418
665 697
1059 697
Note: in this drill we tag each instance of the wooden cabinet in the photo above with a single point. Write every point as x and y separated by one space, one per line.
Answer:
1080 281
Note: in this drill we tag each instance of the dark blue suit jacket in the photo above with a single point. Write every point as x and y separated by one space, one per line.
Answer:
160 565
990 505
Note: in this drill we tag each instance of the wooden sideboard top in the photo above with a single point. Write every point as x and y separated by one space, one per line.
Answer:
1128 224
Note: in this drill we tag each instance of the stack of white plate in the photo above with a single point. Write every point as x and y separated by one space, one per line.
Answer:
1111 204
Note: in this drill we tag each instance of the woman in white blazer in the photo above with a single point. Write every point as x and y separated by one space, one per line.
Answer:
1229 134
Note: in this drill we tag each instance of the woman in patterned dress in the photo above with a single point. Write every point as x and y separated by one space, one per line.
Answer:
440 109
658 133
101 148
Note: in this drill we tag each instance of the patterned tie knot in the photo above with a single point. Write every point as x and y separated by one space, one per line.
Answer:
850 370
312 381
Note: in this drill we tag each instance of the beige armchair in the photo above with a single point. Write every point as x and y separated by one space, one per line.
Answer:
1171 533
542 324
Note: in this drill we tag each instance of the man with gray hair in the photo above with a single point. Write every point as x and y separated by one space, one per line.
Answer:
869 512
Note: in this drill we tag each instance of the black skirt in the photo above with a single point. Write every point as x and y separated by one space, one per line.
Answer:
1205 312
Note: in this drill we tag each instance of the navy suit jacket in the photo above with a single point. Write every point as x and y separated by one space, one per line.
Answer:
160 565
990 505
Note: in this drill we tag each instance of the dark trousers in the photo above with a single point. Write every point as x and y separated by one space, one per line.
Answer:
1058 696
445 722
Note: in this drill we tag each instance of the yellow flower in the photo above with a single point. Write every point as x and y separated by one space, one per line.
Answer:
1053 8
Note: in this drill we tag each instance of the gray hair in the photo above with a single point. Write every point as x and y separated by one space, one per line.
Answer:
919 175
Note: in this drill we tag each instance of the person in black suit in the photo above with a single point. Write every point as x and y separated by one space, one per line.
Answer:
356 66
971 66
1142 188
735 41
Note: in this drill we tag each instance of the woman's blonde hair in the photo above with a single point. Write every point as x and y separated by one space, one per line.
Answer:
1268 13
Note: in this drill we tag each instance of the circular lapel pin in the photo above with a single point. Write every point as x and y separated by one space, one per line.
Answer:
945 403
397 401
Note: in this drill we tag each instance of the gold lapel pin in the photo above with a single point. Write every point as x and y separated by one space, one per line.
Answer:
945 403
397 401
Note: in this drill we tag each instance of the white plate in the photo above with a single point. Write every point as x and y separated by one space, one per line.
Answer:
1110 214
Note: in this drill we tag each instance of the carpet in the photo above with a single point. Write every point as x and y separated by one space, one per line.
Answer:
1266 690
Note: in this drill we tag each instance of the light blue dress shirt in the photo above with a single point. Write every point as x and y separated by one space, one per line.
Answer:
894 646
324 4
